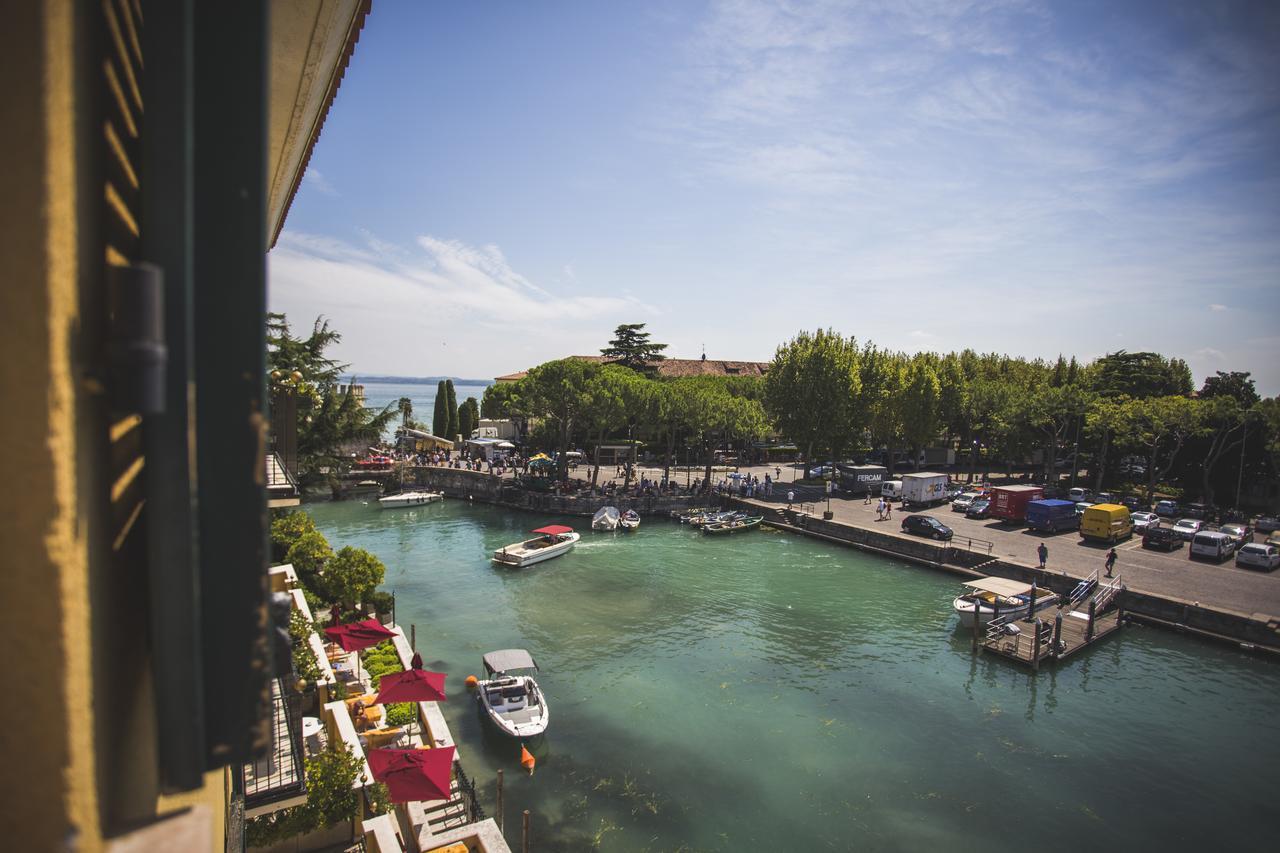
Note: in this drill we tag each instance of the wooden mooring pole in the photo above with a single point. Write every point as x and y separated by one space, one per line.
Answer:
1057 634
1035 645
413 637
524 834
499 808
976 627
1088 631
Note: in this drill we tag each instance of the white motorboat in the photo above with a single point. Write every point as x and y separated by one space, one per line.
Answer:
551 541
514 703
988 597
409 499
630 520
606 518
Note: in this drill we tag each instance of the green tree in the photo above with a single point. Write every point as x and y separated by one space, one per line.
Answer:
1238 386
405 406
632 348
810 391
330 416
440 415
1160 426
556 392
1140 375
451 408
309 554
331 798
288 528
351 574
918 404
468 417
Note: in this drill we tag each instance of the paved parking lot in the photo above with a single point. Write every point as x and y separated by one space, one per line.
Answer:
1171 574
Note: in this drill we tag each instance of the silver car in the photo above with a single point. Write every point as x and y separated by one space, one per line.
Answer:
1144 521
1188 527
1258 556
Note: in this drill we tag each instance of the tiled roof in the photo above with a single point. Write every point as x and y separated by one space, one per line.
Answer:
674 367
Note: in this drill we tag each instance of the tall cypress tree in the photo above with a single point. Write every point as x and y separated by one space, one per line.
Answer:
452 411
439 417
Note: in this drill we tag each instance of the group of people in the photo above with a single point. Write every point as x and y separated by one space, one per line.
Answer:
884 509
747 486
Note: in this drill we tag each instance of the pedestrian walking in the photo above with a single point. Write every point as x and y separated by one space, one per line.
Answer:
867 501
1111 561
1043 553
880 510
888 510
791 496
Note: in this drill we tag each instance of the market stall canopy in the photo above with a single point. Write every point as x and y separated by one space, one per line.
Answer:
1000 586
412 685
359 635
413 774
506 660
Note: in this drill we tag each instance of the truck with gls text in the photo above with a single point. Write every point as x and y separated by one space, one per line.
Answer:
924 489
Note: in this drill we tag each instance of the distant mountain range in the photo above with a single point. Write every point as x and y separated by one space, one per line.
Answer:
413 380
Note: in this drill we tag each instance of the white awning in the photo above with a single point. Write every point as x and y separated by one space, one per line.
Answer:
1000 586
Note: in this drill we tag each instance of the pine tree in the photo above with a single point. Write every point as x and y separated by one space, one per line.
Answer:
451 401
632 348
439 417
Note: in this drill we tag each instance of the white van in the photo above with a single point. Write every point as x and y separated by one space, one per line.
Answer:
891 490
1077 495
1212 545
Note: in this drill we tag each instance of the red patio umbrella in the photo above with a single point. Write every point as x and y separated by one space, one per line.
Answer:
413 774
412 685
355 636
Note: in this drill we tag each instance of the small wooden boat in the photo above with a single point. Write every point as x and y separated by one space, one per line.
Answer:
683 515
736 525
606 518
715 518
409 499
514 703
630 520
552 541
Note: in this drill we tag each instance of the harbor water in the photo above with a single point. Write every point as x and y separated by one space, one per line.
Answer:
764 691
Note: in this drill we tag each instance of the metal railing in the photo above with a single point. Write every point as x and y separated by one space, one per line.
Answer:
1082 589
278 476
281 774
467 792
1106 594
971 544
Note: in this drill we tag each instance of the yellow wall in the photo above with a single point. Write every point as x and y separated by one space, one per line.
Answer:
77 729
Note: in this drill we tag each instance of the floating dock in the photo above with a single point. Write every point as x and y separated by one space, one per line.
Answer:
1086 616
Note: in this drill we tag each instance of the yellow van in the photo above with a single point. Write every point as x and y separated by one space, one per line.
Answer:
1106 522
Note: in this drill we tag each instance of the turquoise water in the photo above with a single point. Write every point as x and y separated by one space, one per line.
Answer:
768 692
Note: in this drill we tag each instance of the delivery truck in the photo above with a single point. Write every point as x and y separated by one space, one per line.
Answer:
1009 503
1051 516
861 479
924 489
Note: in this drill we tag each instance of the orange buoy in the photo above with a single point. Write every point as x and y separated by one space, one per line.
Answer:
527 761
471 682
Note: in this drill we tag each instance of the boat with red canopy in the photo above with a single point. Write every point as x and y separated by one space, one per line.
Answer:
551 541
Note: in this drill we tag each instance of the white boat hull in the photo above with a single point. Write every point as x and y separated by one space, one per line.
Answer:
527 553
964 608
606 518
515 705
409 499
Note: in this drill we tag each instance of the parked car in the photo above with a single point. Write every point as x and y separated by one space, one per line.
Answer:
1242 533
1161 539
1197 510
1081 506
980 508
1258 556
1211 545
1143 520
1079 494
1168 509
926 525
1268 523
962 502
1274 539
1132 503
1104 498
1187 528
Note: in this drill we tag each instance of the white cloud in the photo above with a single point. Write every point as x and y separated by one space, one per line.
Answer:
318 182
438 306
1209 353
1216 307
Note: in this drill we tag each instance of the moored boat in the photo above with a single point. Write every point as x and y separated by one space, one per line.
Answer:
630 520
715 518
552 541
606 518
409 499
513 702
989 597
736 525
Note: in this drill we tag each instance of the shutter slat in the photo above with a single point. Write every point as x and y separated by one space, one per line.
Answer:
122 53
131 30
122 159
113 85
117 204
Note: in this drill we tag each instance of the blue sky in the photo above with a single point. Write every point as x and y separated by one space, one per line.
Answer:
499 184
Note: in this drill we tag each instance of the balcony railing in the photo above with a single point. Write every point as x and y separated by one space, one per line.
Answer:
280 775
